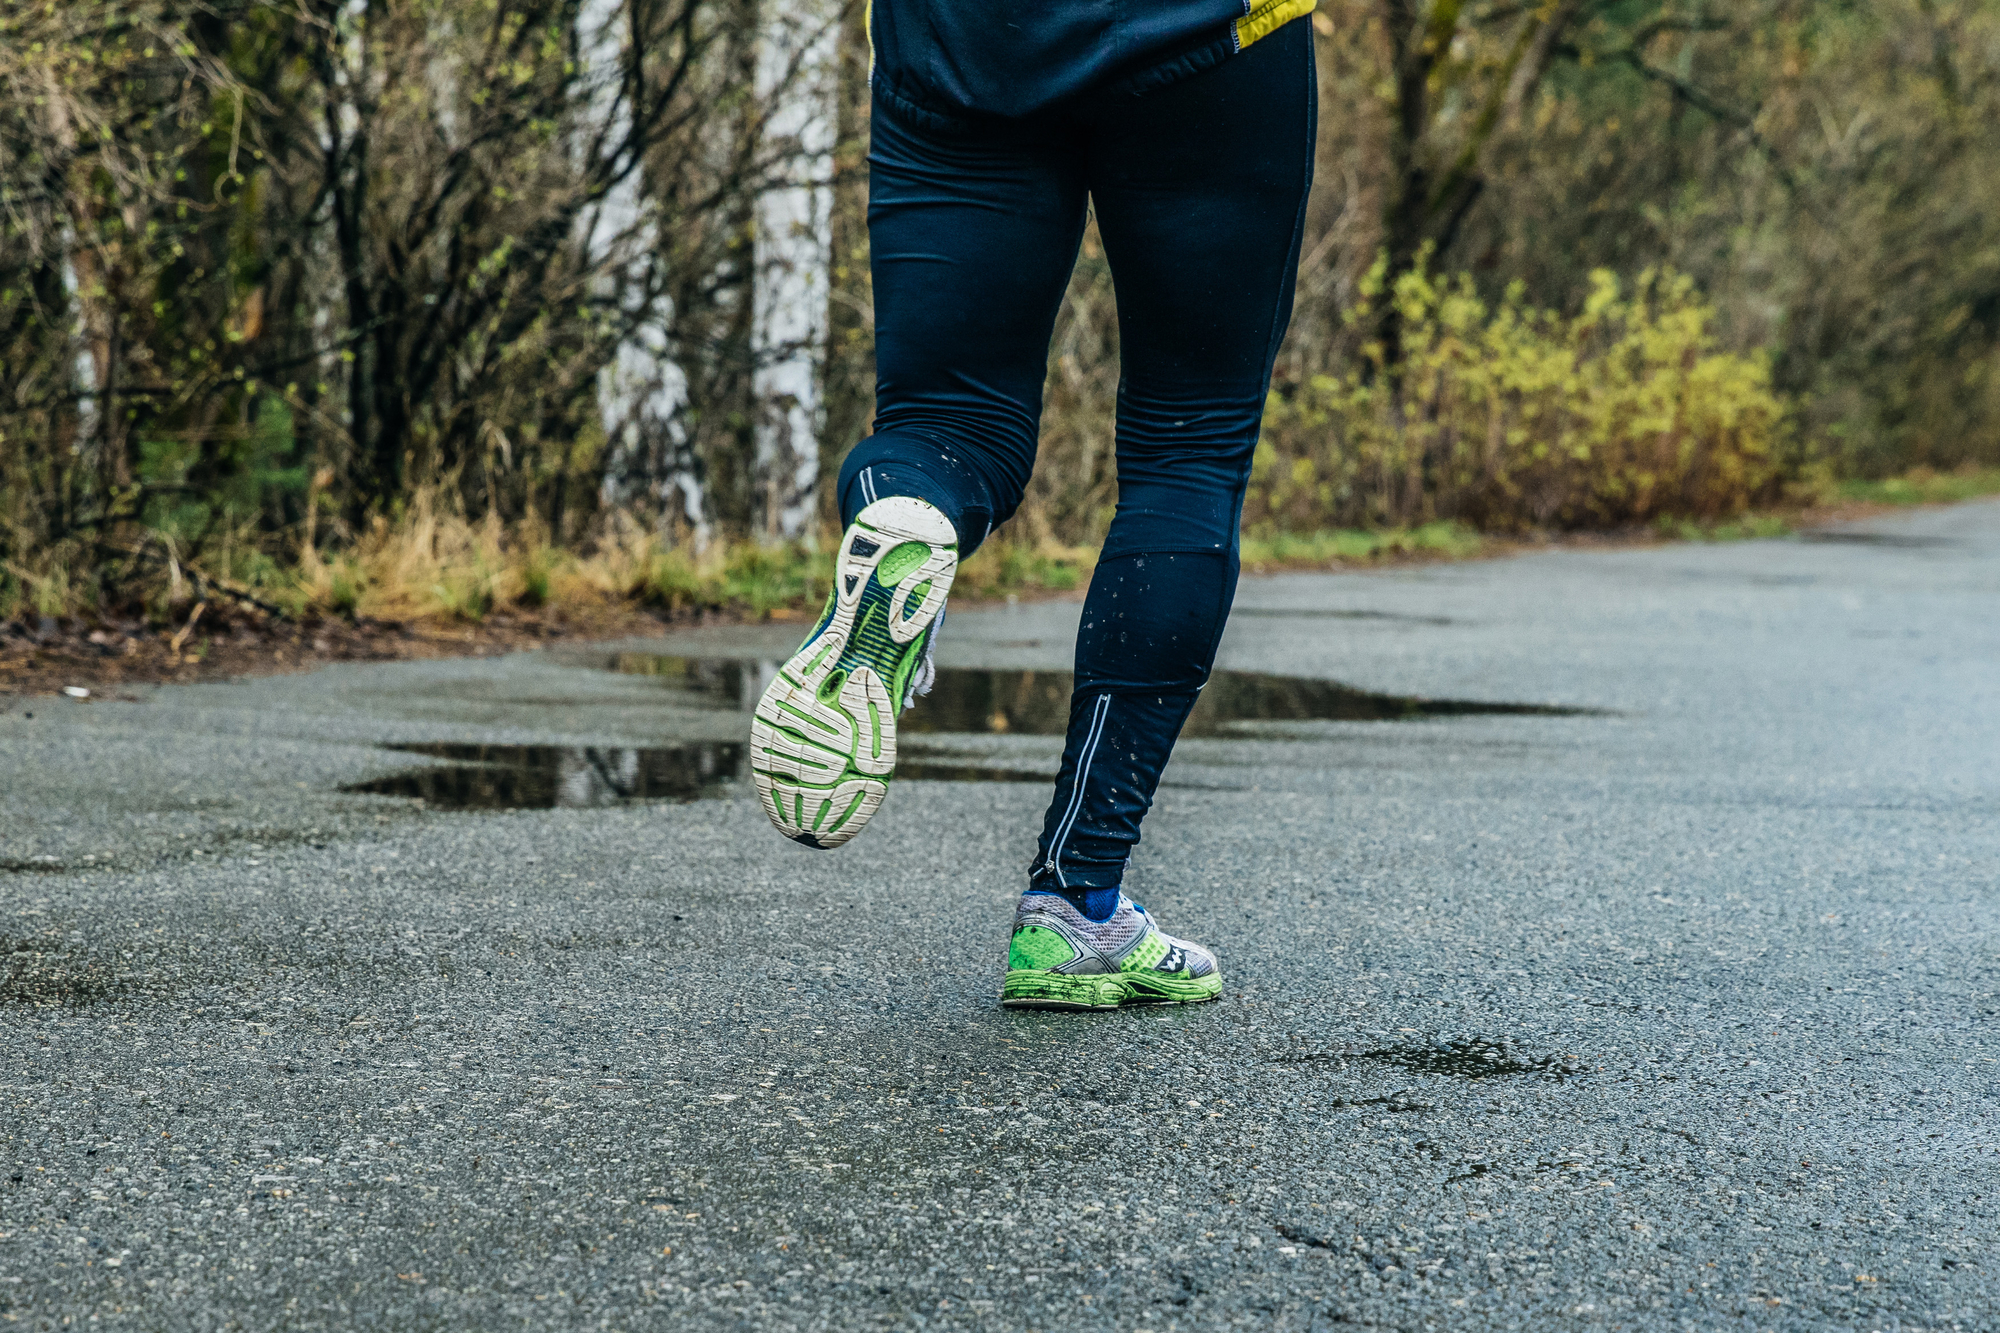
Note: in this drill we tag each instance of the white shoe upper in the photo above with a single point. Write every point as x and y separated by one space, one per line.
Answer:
1104 946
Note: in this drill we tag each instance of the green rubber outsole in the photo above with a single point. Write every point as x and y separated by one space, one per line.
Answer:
1026 988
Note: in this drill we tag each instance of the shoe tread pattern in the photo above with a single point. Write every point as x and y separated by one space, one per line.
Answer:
823 741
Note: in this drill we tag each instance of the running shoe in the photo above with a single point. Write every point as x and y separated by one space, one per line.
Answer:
823 743
1061 959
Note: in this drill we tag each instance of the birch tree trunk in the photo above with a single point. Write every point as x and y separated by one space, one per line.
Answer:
848 393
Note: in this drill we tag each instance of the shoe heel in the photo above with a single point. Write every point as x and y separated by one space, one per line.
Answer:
1025 988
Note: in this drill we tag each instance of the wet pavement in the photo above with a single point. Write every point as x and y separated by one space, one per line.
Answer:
976 700
1678 1012
963 701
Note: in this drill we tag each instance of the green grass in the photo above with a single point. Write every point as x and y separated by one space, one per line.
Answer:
1002 567
1917 487
1750 527
762 580
1266 550
1923 487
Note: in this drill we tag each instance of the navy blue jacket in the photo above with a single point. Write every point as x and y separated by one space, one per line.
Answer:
967 60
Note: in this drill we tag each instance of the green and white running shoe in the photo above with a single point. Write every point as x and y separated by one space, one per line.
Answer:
1061 959
823 744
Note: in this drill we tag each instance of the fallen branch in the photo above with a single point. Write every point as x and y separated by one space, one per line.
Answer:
204 583
180 637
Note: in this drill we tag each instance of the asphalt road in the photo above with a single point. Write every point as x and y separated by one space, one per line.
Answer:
1677 1016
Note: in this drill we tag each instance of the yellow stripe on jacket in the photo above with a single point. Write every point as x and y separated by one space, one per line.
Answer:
1267 17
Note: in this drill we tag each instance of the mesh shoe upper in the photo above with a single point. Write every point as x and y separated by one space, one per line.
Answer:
1051 935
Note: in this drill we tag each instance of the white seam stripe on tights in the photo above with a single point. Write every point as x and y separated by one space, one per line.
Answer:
1101 711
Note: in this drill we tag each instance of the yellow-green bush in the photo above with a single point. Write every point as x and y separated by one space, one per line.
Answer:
1510 417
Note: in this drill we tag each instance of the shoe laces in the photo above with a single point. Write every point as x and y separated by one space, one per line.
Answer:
925 676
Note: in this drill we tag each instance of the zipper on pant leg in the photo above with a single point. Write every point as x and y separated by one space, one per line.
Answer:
1100 711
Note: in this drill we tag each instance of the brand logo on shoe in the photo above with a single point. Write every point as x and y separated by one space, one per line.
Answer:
1175 961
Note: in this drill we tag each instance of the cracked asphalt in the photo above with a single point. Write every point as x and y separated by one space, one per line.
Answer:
1679 1016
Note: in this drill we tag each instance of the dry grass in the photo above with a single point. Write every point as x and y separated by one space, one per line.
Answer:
443 569
435 565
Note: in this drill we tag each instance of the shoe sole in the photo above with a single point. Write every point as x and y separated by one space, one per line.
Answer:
823 741
1026 988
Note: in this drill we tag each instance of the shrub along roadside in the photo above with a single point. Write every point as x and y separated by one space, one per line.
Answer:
1510 418
1499 419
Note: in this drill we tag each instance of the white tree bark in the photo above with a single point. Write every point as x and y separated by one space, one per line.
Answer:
796 69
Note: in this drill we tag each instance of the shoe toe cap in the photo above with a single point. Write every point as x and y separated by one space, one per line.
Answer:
1198 961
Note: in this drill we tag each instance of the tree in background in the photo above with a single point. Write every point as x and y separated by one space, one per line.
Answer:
1825 171
848 391
115 177
270 261
280 274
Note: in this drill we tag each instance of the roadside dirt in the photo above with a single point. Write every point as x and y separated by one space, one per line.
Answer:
46 656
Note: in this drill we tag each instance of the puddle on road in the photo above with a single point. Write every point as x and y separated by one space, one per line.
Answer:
31 865
47 973
1033 703
1474 1059
1036 703
548 777
1310 613
543 777
1888 539
731 678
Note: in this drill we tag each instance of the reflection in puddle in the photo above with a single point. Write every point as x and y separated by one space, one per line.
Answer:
49 971
1891 539
542 777
1036 703
937 770
735 679
1312 613
545 777
1475 1059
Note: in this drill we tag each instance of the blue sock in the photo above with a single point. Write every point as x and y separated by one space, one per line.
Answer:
1096 904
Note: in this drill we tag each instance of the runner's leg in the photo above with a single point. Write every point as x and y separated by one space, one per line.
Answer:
1200 193
972 236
